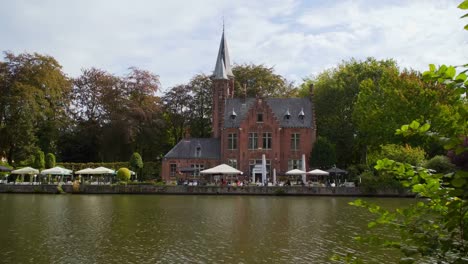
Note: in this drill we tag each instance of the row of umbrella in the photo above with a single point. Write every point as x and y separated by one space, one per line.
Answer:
60 171
226 169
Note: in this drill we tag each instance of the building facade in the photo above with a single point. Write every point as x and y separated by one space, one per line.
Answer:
245 129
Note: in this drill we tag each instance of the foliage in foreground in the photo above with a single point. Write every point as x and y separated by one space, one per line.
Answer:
435 228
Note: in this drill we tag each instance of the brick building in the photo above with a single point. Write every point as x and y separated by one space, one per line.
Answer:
283 129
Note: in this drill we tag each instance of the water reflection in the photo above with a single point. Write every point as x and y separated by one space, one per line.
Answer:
181 229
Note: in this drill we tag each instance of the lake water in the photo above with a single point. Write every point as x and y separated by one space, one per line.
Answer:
183 229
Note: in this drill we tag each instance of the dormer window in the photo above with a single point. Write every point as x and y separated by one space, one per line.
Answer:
259 117
198 151
233 114
301 114
287 115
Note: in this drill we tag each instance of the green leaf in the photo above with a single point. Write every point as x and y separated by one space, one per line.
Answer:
425 128
432 67
460 91
451 72
414 125
442 69
418 188
463 5
465 15
466 27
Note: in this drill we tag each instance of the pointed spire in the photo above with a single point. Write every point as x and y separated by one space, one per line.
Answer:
220 71
223 61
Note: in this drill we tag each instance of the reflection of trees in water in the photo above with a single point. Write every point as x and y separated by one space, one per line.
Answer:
131 228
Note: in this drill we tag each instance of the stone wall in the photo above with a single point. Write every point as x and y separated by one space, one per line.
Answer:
201 190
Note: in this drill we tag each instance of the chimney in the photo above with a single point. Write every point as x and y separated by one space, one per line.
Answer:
312 103
245 91
187 133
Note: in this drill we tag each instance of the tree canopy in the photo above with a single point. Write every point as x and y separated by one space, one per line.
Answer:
34 95
259 80
359 103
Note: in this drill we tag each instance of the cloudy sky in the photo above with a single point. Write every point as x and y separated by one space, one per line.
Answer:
178 39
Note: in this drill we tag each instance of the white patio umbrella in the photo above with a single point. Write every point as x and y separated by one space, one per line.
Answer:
57 171
85 171
318 172
221 169
26 170
295 172
103 170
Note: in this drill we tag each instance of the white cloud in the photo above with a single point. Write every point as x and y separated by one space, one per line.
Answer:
178 39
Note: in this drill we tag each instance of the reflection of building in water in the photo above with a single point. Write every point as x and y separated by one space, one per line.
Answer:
246 128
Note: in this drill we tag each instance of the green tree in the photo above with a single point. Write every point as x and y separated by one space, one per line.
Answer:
323 154
136 163
39 161
435 228
144 124
335 94
178 113
396 99
34 96
49 161
110 109
201 90
88 108
123 174
259 80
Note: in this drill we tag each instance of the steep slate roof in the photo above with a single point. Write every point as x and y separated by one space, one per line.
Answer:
295 105
186 149
223 68
240 106
279 106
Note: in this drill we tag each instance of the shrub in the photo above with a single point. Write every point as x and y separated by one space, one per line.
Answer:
136 163
39 162
372 182
60 189
123 175
50 161
441 164
405 154
76 186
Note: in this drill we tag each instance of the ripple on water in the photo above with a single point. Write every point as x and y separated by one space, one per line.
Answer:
180 229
